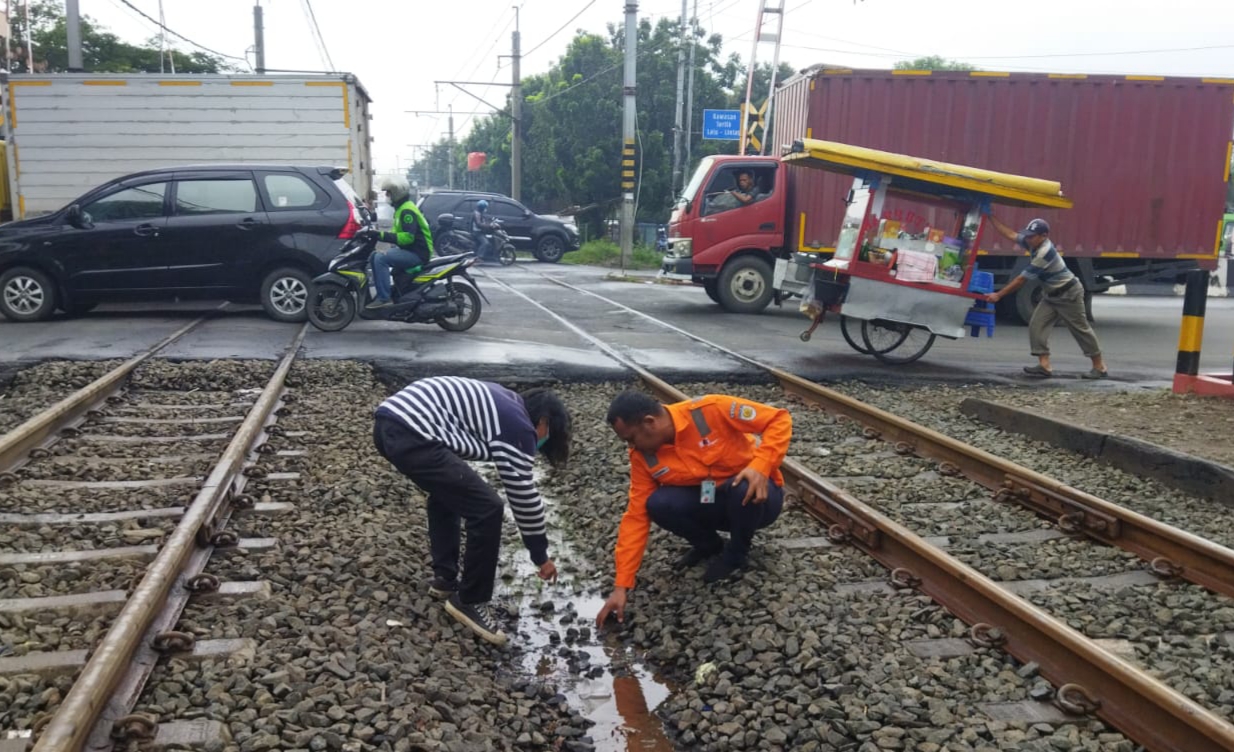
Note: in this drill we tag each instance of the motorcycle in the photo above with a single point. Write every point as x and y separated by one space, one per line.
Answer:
453 239
441 292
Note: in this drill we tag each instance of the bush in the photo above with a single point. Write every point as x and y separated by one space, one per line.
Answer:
608 254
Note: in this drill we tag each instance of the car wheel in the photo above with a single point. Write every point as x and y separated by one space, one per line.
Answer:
26 295
550 248
745 285
284 293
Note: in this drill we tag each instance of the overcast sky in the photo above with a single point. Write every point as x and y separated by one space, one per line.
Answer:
399 48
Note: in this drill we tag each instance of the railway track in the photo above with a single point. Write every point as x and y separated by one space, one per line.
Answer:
1089 678
128 486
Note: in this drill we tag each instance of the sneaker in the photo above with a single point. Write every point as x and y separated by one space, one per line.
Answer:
379 304
439 588
720 569
477 618
1095 374
696 556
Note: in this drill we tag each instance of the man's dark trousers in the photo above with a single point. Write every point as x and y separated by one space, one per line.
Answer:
456 493
679 510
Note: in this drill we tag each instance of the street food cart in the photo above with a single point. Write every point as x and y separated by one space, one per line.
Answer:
906 265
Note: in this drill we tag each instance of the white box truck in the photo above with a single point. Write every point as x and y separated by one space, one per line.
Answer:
65 133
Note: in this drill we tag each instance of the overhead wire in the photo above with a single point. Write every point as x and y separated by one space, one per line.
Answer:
560 29
181 36
317 37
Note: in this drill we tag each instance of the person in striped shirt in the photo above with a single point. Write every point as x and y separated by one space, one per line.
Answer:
1062 298
428 431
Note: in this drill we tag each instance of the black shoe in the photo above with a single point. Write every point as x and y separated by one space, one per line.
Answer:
696 556
439 588
720 569
477 618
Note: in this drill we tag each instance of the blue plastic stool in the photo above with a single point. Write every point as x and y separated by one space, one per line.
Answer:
979 317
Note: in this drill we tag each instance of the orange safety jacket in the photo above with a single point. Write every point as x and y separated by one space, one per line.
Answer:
714 440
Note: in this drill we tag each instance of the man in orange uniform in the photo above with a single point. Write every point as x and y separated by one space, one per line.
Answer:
695 469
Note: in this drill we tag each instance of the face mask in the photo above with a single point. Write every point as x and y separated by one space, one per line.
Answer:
540 443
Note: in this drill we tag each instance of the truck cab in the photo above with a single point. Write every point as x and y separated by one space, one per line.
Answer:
727 229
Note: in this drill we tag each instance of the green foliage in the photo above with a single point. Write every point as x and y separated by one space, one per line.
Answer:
607 253
933 62
102 51
572 125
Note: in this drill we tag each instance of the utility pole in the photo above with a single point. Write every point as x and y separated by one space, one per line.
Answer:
171 58
29 39
516 115
259 39
72 17
8 55
690 90
678 125
628 134
450 148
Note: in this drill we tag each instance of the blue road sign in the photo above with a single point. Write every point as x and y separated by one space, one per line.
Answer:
722 125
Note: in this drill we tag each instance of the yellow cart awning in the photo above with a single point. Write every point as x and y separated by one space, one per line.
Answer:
1001 187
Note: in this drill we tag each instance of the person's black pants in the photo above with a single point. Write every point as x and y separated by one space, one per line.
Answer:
679 510
456 494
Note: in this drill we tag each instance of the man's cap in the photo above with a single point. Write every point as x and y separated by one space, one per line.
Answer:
1037 227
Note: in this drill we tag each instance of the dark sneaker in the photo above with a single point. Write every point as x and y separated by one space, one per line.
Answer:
477 618
439 588
697 555
1095 374
720 569
379 304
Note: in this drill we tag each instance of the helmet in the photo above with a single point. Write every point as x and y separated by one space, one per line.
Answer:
481 204
445 221
397 188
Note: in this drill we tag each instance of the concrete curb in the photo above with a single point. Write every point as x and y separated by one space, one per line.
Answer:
1185 472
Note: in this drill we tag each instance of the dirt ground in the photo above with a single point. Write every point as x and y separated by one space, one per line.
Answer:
1202 426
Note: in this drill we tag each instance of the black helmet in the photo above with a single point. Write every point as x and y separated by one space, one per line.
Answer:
445 221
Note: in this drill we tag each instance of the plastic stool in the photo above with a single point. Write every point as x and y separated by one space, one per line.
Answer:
979 316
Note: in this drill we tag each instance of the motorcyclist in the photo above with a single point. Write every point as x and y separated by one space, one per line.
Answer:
410 235
481 226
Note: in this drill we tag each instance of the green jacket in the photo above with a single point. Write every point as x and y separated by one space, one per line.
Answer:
410 231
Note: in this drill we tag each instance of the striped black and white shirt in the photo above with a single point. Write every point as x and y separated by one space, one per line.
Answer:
479 420
1047 267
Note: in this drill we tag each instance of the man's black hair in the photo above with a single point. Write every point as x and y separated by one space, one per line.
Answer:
544 403
631 407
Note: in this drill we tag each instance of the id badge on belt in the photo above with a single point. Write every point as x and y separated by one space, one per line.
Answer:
708 492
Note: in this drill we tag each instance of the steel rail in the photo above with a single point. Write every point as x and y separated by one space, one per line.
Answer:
1170 551
70 727
16 445
1090 678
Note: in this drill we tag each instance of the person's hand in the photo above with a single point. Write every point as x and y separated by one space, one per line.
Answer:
616 604
757 489
548 571
993 297
367 236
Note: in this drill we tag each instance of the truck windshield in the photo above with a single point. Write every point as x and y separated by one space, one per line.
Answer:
696 180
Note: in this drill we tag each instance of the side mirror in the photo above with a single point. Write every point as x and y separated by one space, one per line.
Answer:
527 214
77 218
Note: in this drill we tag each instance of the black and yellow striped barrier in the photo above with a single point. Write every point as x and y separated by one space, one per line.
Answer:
1187 378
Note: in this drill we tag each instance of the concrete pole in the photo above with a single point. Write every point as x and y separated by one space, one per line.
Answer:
450 150
690 92
29 39
516 115
628 134
72 17
678 124
259 39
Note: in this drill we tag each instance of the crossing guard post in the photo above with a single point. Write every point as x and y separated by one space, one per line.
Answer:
1187 378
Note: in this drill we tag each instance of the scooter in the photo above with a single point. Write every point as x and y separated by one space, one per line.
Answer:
453 239
440 292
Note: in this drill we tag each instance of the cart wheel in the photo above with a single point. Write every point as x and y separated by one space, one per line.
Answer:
853 337
894 343
804 336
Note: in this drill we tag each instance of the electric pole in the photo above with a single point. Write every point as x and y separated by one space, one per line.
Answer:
72 17
259 39
171 57
628 134
690 90
677 122
516 115
29 39
450 149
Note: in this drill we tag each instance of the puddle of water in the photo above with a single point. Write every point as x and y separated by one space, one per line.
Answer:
597 676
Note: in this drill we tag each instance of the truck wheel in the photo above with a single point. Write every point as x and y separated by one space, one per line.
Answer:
284 293
744 285
712 288
550 249
26 295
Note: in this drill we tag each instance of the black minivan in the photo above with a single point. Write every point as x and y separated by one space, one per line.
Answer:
244 233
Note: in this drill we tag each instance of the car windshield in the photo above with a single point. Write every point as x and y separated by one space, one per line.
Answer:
696 180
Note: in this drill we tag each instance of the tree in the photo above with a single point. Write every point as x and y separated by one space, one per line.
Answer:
933 62
102 51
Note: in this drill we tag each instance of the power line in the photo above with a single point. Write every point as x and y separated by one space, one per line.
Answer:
317 37
181 36
559 30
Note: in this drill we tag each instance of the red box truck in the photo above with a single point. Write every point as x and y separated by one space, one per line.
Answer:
1146 159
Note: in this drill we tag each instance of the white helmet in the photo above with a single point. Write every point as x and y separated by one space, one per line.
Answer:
397 188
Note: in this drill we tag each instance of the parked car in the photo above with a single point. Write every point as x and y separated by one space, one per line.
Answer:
244 233
548 238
